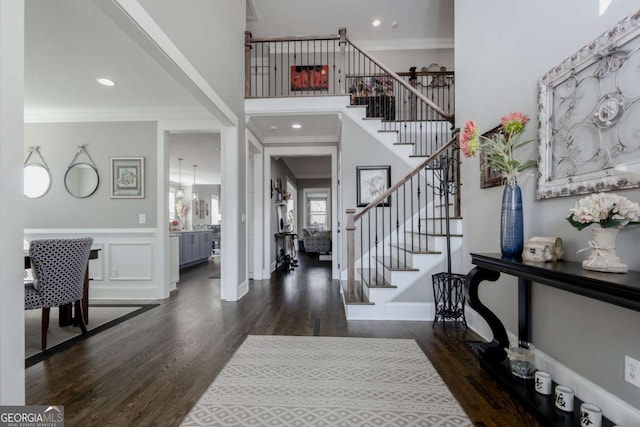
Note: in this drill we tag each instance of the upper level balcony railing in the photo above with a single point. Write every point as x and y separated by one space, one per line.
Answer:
416 105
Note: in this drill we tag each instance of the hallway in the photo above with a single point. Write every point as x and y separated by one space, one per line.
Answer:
151 369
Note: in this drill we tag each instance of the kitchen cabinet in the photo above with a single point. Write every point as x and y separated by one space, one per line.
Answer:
195 247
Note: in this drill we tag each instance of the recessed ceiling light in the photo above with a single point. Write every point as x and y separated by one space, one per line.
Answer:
105 82
376 23
273 127
296 125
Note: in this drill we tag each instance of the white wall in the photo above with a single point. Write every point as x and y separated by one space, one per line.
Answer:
210 35
58 142
355 143
502 49
402 60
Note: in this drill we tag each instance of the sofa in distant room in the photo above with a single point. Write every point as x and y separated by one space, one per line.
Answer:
316 241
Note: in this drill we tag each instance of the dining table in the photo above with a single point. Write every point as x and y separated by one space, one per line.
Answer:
66 313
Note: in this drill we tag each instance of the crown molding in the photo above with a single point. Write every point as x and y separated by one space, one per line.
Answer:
115 114
408 44
302 140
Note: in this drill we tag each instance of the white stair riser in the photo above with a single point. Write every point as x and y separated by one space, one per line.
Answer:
392 311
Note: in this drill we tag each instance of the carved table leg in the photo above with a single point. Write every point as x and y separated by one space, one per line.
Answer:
494 350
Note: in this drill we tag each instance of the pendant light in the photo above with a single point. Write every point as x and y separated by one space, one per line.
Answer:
179 190
193 189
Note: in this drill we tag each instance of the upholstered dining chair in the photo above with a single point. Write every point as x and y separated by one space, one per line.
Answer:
58 267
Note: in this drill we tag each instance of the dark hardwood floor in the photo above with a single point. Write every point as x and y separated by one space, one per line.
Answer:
150 370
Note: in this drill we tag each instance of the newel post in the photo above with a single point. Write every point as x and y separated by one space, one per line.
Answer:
342 60
351 262
413 102
247 64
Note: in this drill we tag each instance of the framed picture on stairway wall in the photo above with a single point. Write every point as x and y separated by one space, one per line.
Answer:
371 182
489 177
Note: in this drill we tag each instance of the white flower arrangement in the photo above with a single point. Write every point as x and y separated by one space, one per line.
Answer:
181 208
606 209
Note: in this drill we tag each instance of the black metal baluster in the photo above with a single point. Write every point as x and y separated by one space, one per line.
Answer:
376 243
397 193
404 214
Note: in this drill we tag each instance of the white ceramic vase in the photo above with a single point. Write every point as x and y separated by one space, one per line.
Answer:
603 252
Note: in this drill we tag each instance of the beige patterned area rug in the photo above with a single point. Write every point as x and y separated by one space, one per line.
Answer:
327 381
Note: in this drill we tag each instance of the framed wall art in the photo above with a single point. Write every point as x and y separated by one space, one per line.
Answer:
371 182
489 177
588 109
127 177
309 77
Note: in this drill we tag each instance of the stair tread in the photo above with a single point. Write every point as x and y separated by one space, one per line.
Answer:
389 131
415 249
440 218
356 106
393 264
372 118
376 278
360 298
433 234
404 143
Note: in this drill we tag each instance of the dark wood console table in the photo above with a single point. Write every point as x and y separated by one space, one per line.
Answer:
619 289
286 250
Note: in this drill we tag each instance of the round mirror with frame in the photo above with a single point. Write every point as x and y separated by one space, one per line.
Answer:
37 180
81 180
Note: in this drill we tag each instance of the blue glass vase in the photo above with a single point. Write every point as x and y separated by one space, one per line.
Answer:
511 223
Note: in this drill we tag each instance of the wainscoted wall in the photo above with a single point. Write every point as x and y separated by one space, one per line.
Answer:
59 141
128 264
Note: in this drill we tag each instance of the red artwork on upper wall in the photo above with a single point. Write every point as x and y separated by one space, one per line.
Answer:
309 77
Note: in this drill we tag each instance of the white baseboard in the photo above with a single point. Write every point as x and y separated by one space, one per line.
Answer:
614 408
243 289
391 311
423 311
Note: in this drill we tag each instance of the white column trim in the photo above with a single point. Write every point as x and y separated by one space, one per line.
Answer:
229 266
257 157
12 371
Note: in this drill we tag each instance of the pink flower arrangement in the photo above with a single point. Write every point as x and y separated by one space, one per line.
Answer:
500 146
469 139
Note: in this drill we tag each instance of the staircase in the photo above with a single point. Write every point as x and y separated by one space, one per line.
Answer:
413 229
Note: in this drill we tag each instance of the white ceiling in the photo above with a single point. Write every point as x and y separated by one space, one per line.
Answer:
69 43
426 23
316 129
309 167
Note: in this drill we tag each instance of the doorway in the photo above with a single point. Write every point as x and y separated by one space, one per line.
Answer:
269 212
